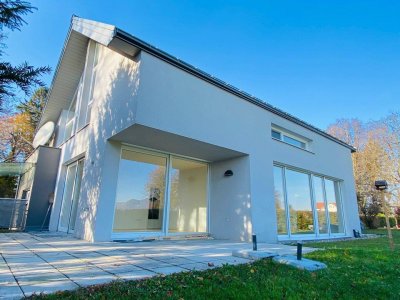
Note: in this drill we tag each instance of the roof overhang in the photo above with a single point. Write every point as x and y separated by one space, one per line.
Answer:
72 62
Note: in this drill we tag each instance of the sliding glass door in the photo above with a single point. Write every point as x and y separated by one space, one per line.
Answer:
159 194
306 204
71 196
140 193
188 196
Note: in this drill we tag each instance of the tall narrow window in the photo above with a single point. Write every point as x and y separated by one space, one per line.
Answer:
88 82
188 196
280 200
320 204
332 200
140 192
299 203
71 118
72 189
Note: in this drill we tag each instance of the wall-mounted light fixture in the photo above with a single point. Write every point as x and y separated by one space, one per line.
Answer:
381 185
228 173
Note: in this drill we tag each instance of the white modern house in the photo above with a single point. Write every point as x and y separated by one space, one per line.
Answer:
152 147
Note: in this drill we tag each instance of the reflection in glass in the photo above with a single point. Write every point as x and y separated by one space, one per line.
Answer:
77 192
188 196
71 196
279 201
67 197
299 202
320 204
335 218
140 192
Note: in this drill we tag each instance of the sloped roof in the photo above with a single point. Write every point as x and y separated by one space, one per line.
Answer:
72 61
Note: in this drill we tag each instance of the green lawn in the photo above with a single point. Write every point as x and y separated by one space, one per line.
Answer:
362 269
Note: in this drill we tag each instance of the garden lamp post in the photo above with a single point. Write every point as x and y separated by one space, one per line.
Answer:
382 185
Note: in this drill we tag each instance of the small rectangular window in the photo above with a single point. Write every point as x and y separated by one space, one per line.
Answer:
289 138
294 142
276 134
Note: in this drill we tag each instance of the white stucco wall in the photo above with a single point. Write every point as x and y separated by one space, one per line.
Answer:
152 93
193 108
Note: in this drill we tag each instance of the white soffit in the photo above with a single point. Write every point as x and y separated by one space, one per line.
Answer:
99 32
71 64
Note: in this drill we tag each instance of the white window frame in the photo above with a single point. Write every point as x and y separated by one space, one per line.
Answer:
94 69
75 100
284 133
339 198
164 232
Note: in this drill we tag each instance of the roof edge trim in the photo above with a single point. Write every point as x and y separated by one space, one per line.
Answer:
122 35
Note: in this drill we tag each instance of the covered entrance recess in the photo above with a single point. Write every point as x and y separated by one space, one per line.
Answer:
160 194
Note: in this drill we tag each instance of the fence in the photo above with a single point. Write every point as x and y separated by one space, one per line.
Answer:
13 213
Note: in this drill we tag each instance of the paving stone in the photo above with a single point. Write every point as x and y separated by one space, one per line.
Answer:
174 260
136 275
40 278
303 264
235 260
95 263
153 265
169 270
195 266
253 255
48 287
10 292
90 278
117 267
7 279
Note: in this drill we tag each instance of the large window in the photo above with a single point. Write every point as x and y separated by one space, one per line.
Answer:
280 201
160 194
140 192
188 199
306 203
299 203
79 111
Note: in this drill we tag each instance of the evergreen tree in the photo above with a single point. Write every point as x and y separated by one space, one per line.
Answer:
24 76
34 106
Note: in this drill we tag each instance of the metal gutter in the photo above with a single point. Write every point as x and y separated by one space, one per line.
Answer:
134 41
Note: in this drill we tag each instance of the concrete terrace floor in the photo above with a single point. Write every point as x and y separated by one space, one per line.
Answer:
47 262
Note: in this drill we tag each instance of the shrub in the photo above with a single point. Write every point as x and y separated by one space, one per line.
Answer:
382 221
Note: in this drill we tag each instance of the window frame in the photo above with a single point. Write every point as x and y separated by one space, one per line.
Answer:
339 201
285 134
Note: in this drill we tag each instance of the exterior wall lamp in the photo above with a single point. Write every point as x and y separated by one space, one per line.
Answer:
381 185
228 173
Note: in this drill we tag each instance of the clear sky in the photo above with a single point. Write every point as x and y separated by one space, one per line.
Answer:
319 60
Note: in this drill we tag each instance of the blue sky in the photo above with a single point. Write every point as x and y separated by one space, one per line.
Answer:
318 60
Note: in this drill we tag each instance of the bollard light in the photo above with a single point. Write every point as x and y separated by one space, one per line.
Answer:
254 238
299 250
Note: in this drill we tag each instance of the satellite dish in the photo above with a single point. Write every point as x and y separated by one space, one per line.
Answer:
43 135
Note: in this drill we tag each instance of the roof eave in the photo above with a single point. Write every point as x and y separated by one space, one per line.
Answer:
138 43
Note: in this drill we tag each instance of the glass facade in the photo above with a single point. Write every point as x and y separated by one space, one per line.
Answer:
306 203
280 201
140 192
160 193
188 199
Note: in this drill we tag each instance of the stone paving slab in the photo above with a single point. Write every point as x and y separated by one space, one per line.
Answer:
11 292
303 264
50 262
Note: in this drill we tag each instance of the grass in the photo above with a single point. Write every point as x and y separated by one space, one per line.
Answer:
359 269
